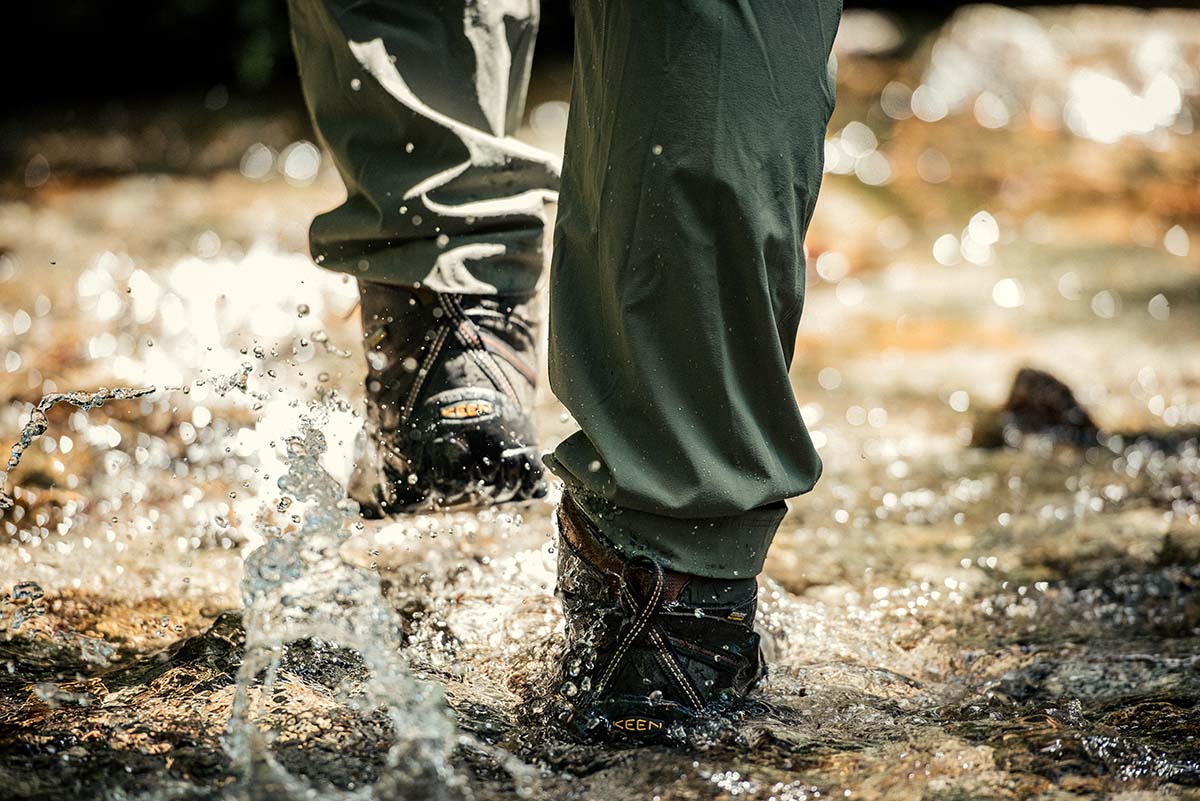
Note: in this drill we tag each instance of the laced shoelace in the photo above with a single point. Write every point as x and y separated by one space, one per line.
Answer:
457 321
643 626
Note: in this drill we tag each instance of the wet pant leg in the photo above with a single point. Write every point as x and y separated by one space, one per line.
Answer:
693 160
416 101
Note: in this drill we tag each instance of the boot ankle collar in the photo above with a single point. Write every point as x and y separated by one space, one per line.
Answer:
590 545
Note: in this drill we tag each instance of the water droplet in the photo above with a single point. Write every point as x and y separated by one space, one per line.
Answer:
1159 307
1177 242
1008 293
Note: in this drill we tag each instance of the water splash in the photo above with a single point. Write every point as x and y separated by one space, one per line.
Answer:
39 423
297 587
26 602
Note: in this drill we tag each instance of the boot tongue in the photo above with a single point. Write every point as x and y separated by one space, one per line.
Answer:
703 591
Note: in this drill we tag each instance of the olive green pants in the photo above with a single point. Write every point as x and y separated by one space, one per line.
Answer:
692 163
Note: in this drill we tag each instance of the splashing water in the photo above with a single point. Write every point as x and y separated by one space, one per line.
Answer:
298 587
39 423
26 600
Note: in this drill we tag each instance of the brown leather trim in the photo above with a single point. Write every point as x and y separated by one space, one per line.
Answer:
686 645
576 530
591 546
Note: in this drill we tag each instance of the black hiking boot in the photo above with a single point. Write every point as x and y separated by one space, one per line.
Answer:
450 387
649 652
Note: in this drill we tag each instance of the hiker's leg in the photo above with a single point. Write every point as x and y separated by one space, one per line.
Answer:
443 226
693 159
417 100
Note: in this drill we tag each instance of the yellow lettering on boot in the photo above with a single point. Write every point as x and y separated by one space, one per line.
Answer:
637 724
465 410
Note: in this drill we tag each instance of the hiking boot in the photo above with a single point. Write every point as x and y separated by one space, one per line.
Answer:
450 388
648 650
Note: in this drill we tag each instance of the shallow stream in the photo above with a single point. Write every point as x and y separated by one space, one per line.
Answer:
190 609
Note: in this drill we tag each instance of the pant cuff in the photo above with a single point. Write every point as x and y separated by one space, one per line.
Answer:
498 263
713 547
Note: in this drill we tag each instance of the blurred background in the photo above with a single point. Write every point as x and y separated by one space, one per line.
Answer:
1006 186
141 49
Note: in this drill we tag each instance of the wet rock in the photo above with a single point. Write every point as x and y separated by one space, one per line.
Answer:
1038 403
324 664
1162 466
218 650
